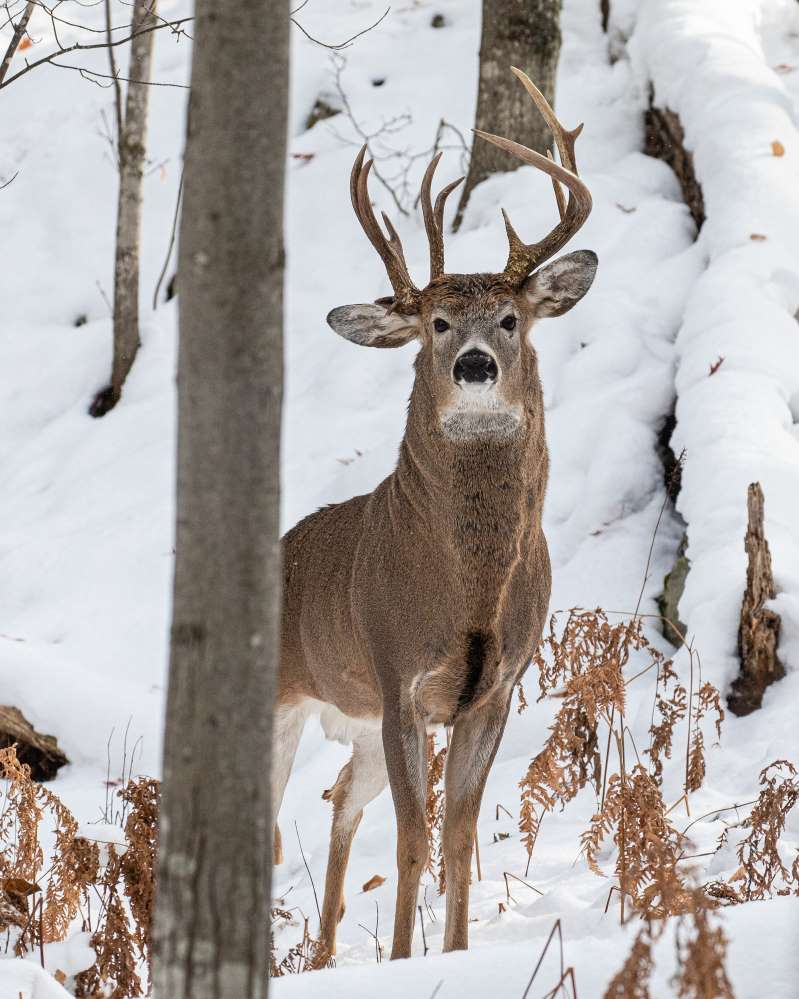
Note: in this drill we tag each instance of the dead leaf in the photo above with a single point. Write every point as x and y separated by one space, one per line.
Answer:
374 882
60 976
783 67
777 148
740 875
757 237
26 43
715 366
303 157
19 887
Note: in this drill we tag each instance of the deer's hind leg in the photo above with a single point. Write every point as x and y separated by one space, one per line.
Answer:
360 781
288 725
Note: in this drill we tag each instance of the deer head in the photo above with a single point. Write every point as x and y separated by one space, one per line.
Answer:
476 361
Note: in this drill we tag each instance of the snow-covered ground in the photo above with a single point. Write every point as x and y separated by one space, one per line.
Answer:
86 508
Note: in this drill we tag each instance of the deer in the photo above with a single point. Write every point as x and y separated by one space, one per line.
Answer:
420 604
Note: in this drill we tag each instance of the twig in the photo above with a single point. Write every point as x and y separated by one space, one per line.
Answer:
477 857
11 180
555 928
339 62
87 74
508 874
340 45
172 236
112 61
105 297
175 26
378 953
424 938
308 869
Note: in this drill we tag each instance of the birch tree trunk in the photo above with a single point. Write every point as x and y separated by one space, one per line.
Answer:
131 151
526 34
214 872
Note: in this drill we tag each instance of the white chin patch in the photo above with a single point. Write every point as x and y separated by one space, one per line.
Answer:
478 411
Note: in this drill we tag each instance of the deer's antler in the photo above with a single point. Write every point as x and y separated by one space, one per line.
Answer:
523 258
406 294
434 217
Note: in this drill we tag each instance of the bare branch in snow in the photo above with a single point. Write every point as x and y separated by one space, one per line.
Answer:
336 47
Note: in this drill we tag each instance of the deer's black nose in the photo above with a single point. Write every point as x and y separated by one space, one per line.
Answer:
475 366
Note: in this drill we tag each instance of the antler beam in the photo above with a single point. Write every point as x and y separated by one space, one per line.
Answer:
523 257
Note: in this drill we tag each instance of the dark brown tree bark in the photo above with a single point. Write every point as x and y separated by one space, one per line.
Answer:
759 631
131 154
214 872
665 140
526 34
40 752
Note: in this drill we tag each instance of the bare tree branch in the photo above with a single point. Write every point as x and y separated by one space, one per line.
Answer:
171 246
340 45
112 61
175 26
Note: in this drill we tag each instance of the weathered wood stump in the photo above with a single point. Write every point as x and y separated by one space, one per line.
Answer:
759 631
40 752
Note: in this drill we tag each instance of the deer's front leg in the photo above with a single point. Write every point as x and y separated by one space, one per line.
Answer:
472 748
405 747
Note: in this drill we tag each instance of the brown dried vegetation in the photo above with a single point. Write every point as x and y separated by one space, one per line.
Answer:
110 892
309 954
583 664
436 762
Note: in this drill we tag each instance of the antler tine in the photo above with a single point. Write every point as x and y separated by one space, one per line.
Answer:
523 257
558 192
434 216
390 250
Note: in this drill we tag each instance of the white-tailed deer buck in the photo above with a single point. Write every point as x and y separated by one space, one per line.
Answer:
422 603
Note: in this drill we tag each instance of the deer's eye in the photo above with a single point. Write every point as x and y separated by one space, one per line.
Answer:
440 325
508 323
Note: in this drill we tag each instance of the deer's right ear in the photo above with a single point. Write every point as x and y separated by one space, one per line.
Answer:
374 325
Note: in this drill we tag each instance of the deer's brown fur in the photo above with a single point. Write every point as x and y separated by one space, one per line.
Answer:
422 602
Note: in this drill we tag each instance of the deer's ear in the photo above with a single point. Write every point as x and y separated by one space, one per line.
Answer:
374 325
560 285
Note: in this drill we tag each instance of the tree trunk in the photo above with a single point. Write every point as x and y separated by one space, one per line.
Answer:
214 872
526 34
131 150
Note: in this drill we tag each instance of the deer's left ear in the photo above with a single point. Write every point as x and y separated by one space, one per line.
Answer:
559 286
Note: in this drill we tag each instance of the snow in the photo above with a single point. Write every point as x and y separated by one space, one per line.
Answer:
24 980
86 509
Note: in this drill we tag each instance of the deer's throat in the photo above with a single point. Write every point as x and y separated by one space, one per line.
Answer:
489 521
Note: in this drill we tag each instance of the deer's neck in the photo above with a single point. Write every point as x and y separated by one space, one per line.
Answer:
480 499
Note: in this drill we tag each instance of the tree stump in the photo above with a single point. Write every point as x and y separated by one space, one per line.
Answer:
40 752
759 631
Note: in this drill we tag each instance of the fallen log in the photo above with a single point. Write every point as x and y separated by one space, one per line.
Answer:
40 752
